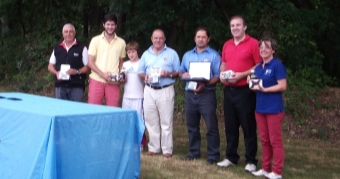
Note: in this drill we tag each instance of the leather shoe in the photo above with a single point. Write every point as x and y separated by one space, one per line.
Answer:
150 153
211 162
188 158
167 155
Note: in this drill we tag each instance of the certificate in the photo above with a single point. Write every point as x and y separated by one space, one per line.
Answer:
198 71
62 73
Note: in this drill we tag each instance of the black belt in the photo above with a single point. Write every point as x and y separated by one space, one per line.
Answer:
201 92
157 87
237 87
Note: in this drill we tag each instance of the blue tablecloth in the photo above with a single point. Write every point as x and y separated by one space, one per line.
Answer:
42 137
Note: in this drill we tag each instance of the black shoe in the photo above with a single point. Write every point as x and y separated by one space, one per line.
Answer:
188 158
211 162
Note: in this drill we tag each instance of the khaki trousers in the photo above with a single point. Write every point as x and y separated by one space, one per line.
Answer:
158 112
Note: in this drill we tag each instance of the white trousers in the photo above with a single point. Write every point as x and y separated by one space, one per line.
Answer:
158 112
136 104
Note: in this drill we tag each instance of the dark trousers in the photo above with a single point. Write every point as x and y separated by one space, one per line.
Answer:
197 105
70 93
239 110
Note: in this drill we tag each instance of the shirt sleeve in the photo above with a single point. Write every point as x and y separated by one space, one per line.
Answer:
93 47
184 67
123 52
141 68
176 63
280 71
216 65
85 56
52 58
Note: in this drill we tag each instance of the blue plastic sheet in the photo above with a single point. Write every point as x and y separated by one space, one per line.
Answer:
42 137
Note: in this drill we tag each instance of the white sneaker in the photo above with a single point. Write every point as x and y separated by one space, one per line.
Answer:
250 167
259 173
273 175
225 163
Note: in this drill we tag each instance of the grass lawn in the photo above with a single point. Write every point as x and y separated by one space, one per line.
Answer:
304 159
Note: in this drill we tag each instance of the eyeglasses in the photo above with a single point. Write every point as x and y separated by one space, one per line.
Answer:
265 47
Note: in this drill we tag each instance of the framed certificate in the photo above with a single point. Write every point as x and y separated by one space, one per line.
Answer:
198 71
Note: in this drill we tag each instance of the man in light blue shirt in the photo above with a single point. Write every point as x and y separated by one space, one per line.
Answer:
201 101
159 66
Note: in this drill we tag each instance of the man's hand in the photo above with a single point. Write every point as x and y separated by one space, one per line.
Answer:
57 75
235 77
106 76
200 87
185 75
224 81
164 73
71 71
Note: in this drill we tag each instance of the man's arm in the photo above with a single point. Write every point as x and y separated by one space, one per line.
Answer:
52 70
94 67
121 61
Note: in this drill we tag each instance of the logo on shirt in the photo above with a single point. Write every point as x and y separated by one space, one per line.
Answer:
268 72
165 59
205 60
76 54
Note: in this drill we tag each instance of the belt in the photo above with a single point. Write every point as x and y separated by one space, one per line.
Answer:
157 87
201 92
237 87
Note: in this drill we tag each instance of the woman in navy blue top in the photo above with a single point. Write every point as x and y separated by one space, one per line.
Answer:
269 111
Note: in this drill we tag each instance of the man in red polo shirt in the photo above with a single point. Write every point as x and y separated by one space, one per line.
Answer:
239 54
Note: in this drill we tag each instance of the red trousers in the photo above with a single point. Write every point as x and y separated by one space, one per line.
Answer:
270 131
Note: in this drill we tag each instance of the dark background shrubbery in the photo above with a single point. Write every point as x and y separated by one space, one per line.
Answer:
306 31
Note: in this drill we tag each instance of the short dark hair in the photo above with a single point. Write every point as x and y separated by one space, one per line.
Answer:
203 29
133 45
239 17
110 17
272 42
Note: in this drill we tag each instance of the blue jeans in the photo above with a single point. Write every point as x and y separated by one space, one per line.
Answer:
70 93
197 105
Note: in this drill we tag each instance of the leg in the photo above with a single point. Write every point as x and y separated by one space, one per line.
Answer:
76 94
152 120
61 93
112 92
275 133
192 117
267 151
165 104
232 125
96 92
246 112
207 107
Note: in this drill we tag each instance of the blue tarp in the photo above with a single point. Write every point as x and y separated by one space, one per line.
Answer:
42 137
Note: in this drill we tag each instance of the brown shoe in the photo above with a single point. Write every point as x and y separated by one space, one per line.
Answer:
150 153
167 155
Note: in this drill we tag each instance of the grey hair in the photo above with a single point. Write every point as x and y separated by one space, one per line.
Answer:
74 29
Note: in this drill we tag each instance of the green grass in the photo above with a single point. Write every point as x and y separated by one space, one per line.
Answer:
304 159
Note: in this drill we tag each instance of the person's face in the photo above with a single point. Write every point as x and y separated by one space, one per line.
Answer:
69 33
266 50
201 39
158 39
237 28
110 27
132 54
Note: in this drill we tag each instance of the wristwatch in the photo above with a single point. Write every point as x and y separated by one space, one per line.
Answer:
78 72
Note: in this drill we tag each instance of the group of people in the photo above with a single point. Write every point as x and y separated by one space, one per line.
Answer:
153 96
